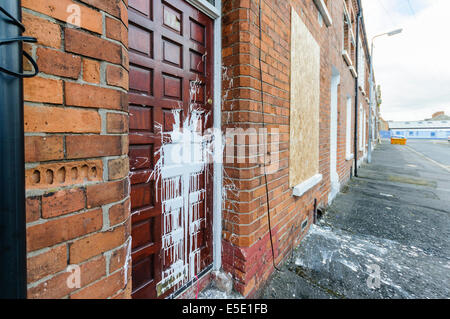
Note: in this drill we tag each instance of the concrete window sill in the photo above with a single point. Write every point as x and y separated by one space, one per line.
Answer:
302 188
324 12
347 58
354 73
362 90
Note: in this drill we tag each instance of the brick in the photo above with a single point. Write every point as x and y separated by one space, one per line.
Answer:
41 149
58 63
43 90
101 194
56 287
119 213
125 59
111 6
63 229
92 96
96 244
102 289
53 288
45 176
116 123
118 259
125 144
61 120
118 168
93 270
33 208
117 76
63 202
47 263
89 19
91 71
116 30
123 13
88 45
27 66
85 146
246 289
46 32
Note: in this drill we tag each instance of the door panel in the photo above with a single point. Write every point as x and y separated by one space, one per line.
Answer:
171 72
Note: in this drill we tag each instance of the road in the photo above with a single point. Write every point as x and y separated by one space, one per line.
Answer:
387 234
438 151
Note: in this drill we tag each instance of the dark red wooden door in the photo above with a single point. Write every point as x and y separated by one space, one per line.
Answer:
171 68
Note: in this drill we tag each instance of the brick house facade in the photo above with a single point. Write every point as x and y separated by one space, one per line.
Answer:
247 249
77 121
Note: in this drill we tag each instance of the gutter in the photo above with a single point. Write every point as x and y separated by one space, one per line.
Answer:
13 263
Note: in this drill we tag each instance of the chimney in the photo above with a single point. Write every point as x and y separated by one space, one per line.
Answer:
438 114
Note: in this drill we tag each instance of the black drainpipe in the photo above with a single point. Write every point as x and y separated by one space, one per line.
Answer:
358 19
13 275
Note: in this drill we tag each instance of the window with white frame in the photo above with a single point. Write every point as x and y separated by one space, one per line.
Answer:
348 135
361 129
364 139
361 66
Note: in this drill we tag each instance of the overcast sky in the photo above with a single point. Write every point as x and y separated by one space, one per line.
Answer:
413 68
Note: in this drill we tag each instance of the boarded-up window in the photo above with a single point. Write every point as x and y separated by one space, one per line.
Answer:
304 112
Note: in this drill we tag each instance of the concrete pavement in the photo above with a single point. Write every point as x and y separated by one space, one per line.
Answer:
387 235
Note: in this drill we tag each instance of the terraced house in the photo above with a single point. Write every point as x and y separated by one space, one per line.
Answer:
164 144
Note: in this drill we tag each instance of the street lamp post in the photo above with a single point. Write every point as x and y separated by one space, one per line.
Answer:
390 34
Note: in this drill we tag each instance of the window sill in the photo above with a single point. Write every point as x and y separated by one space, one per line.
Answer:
302 188
362 90
350 157
347 58
354 73
324 12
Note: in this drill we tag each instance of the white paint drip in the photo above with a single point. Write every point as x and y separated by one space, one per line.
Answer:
182 171
127 261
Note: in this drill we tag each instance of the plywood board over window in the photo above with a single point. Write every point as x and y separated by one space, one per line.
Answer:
304 112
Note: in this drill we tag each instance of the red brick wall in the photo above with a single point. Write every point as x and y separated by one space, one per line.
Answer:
76 136
76 145
246 246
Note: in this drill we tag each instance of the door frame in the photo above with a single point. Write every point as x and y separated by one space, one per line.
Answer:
334 132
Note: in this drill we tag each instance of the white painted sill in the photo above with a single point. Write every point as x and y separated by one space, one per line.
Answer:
354 73
302 188
324 12
362 90
347 58
350 157
352 38
347 14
